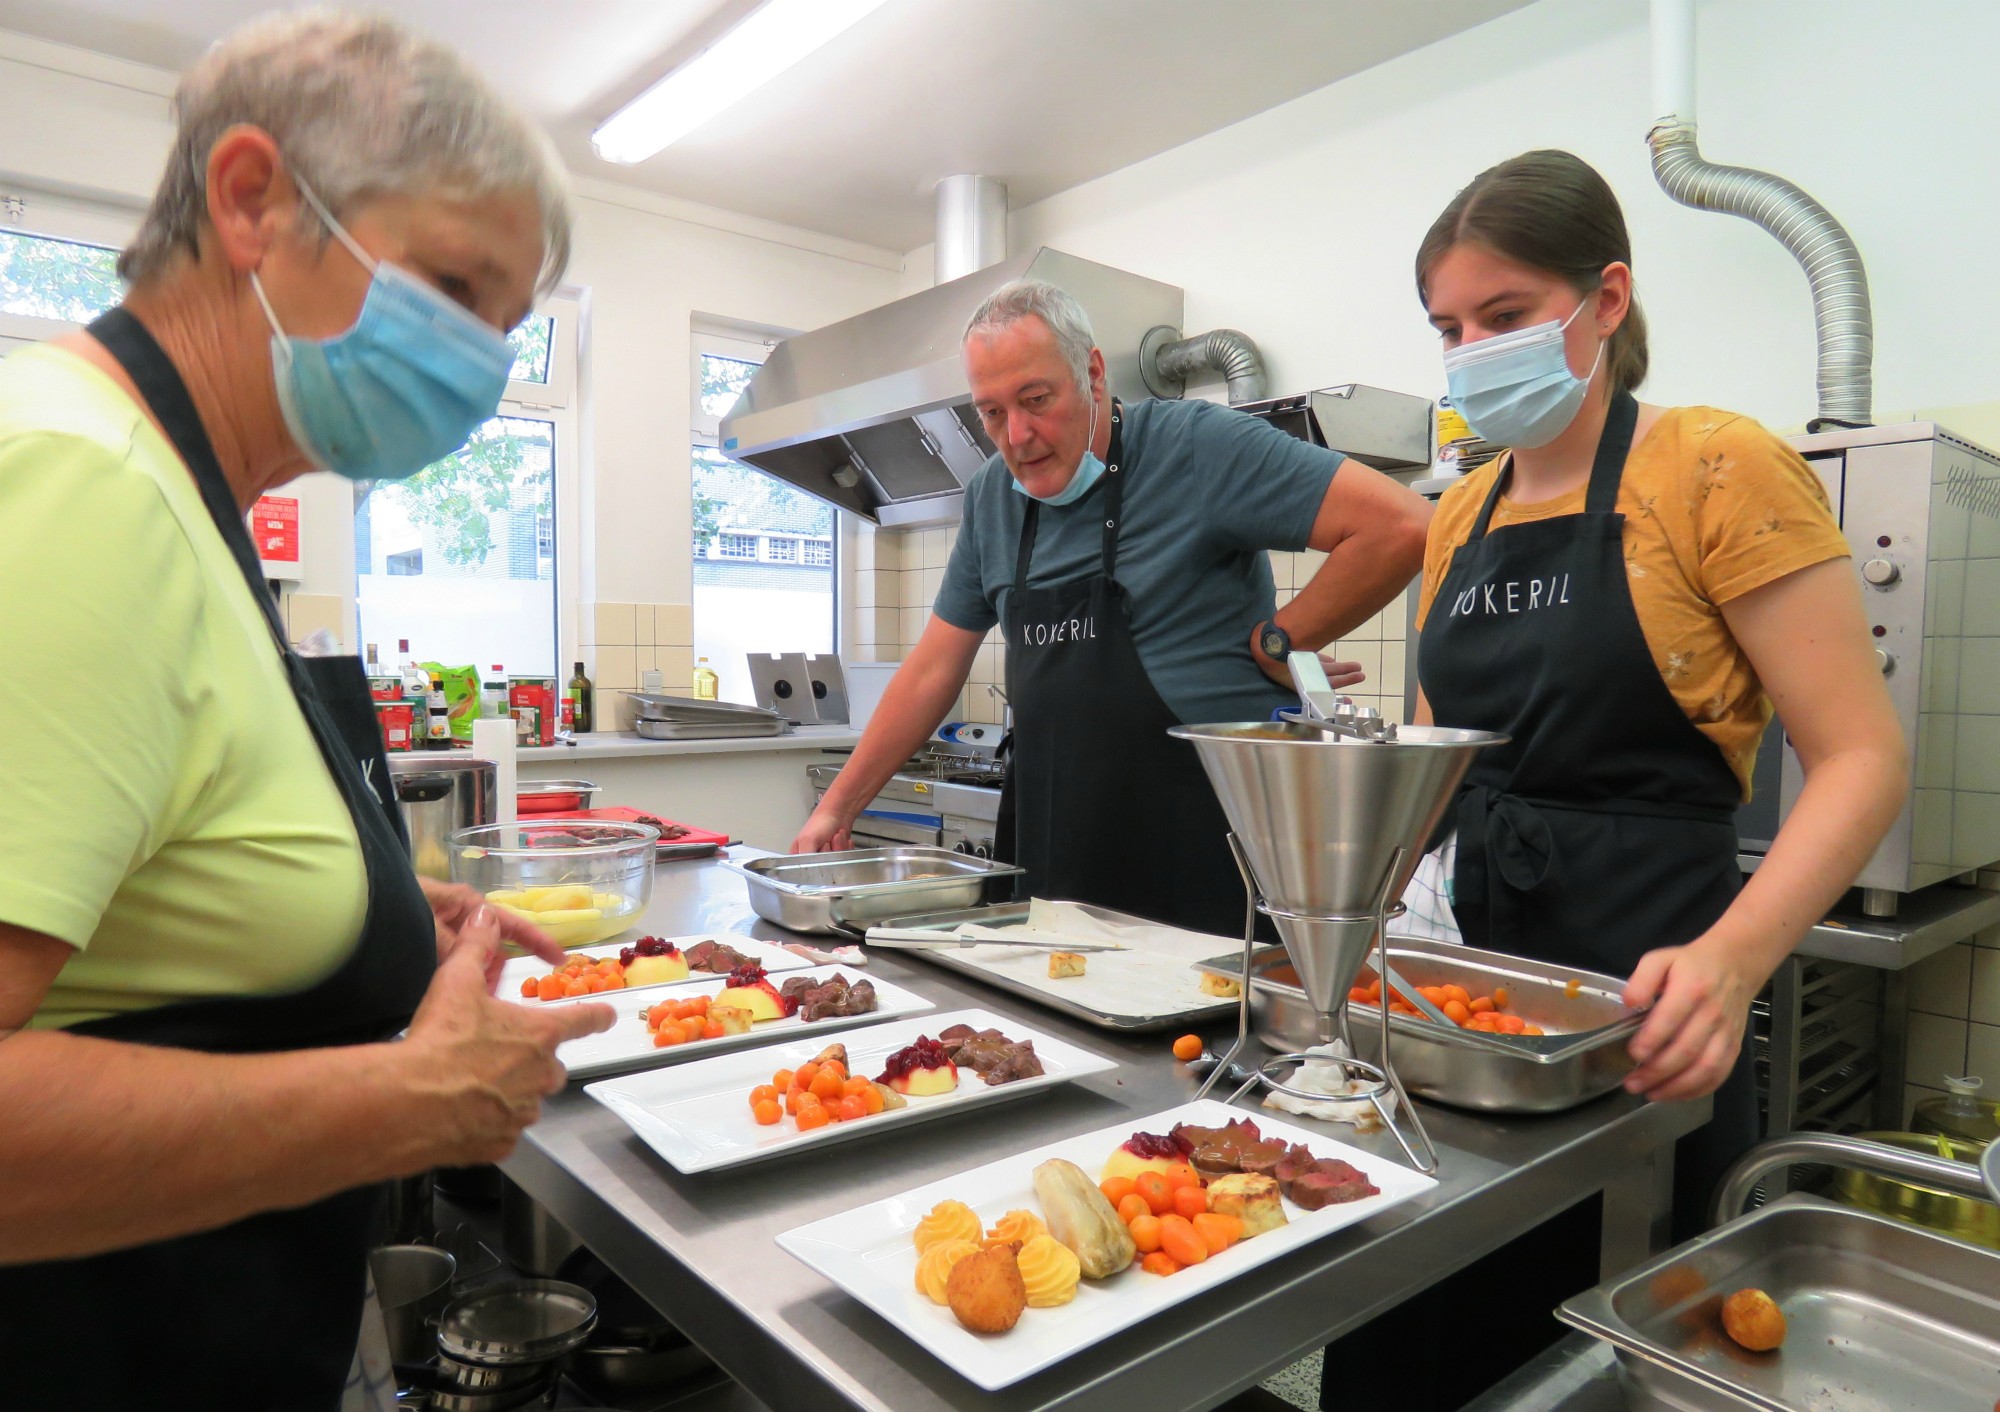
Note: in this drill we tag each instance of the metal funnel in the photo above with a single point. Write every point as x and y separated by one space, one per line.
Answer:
1320 819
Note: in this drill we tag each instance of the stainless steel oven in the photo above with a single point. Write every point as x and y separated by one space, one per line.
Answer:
1920 508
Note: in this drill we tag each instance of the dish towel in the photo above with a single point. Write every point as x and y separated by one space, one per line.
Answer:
1324 1075
1429 897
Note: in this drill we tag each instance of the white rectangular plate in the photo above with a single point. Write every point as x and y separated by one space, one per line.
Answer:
698 1116
771 957
867 1251
628 1044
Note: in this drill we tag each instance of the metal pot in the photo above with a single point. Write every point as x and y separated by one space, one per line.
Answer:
1966 1217
438 795
413 1285
532 1238
526 1321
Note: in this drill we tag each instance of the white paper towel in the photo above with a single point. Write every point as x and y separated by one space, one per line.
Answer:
493 739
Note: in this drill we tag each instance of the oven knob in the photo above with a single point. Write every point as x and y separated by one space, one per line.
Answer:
961 847
982 852
1881 572
1886 661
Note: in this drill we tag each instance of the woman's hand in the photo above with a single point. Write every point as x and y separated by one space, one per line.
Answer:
456 906
488 1063
1700 1001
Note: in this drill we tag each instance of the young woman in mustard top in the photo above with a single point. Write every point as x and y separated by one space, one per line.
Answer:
1627 593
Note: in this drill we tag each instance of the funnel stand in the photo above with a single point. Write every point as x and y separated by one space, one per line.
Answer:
1424 1155
1243 988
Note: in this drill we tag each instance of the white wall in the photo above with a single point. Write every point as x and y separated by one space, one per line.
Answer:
1299 225
94 128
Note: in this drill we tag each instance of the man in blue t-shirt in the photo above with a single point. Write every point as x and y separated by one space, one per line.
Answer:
1121 548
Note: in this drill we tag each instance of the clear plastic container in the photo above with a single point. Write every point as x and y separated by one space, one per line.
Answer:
1959 1114
580 882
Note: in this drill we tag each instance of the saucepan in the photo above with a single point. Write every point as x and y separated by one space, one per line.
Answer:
413 1285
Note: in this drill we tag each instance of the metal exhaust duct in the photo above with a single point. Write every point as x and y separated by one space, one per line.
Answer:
1842 313
971 226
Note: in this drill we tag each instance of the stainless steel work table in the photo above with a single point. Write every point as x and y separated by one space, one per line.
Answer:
702 1249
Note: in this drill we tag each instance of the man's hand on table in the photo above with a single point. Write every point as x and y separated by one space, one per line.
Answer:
823 833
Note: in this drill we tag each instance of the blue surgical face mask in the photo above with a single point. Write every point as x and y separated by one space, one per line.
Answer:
1516 389
403 388
1087 471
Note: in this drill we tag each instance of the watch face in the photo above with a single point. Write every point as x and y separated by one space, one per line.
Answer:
1274 644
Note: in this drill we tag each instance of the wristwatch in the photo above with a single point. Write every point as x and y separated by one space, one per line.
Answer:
1274 641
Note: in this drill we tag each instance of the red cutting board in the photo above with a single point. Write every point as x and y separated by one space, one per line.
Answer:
620 814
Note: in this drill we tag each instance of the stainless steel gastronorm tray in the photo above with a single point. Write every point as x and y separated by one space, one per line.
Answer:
1009 914
1879 1315
831 893
1583 1055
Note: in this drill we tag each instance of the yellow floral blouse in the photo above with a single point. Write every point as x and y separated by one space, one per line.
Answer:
1714 506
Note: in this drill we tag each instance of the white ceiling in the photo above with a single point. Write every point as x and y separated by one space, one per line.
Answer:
1043 94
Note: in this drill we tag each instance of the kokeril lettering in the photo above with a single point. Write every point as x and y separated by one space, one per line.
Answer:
1061 630
1512 597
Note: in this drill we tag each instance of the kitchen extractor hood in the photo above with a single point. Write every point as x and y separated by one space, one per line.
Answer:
1390 431
873 415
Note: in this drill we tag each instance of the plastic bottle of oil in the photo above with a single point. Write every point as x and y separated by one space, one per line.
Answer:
706 683
1959 1113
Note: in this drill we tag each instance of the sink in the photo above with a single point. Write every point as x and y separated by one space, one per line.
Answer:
1880 1314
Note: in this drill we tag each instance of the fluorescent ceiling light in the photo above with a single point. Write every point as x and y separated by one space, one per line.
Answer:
774 37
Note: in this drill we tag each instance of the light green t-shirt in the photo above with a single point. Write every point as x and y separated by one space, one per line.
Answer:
167 812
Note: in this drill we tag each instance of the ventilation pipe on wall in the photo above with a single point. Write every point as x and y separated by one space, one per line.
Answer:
1841 310
1166 361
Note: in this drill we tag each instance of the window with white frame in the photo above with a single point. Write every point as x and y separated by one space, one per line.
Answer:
764 562
465 560
57 268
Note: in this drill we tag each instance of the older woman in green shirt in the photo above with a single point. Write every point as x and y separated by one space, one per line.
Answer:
208 928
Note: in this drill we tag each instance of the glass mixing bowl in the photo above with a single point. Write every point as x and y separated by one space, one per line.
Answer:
578 881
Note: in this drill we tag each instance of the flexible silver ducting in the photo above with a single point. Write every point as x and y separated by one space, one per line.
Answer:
1167 364
1841 310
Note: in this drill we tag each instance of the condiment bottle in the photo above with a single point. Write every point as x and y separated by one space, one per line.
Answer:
707 685
1959 1114
437 716
580 694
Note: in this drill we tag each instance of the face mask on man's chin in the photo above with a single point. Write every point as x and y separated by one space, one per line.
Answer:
1088 471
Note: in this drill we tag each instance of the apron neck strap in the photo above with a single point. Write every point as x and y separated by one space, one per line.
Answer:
1607 468
1114 505
165 393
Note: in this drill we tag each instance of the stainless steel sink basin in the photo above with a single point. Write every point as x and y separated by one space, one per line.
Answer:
1881 1315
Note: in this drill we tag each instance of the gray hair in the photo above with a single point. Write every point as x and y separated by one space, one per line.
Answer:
1021 298
360 107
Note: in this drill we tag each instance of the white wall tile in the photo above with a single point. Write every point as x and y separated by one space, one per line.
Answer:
1394 663
1942 984
1985 990
1982 1055
617 667
914 593
913 625
936 548
617 626
1281 569
1937 1048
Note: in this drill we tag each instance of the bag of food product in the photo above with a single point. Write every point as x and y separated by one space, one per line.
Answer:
461 696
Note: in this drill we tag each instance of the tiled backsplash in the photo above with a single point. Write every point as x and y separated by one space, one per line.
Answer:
897 574
622 641
1954 1019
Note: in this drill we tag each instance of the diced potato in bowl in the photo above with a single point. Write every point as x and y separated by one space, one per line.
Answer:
581 882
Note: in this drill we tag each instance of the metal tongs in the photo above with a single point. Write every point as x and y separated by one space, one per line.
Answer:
1324 709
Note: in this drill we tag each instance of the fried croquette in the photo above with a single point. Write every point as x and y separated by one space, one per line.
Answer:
985 1290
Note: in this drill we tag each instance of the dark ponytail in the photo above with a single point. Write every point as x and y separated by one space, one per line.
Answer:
1550 211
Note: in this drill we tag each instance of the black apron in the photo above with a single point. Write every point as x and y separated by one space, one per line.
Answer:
1605 827
264 1313
1101 805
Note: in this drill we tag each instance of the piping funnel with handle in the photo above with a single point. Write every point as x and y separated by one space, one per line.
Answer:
1321 818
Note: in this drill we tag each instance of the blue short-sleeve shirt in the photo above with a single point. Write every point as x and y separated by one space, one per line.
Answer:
1207 491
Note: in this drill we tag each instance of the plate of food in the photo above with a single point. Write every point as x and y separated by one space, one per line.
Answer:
749 1107
647 962
1014 1266
747 1007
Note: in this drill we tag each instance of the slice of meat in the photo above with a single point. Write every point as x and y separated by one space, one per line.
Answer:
1020 1063
1330 1182
955 1034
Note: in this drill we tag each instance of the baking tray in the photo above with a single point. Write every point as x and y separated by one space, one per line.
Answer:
708 730
1583 1055
1879 1315
831 893
1026 973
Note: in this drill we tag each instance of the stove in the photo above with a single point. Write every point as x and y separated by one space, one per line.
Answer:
947 796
